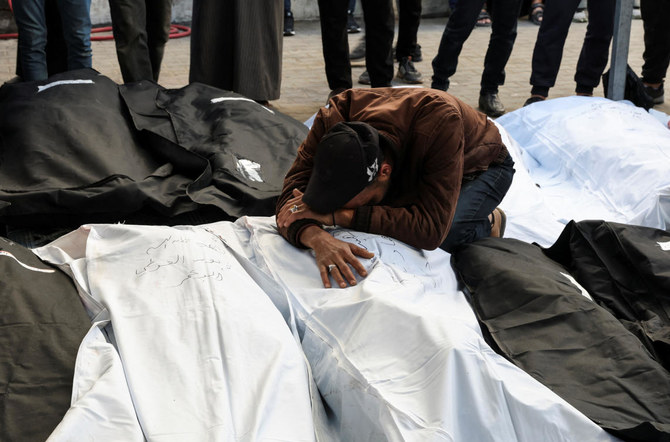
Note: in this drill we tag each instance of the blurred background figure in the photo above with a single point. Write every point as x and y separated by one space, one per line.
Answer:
352 24
536 12
237 45
141 30
289 22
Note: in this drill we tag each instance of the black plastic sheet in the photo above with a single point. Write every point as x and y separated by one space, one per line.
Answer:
542 316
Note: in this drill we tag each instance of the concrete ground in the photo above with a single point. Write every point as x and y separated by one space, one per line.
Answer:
304 88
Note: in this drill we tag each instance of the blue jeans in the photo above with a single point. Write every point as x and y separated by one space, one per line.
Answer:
31 22
478 198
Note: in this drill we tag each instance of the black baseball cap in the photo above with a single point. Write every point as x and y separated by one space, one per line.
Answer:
347 160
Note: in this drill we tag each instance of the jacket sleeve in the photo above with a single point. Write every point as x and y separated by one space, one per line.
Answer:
436 155
298 175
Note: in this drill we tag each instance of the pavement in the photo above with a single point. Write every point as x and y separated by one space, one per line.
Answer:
304 88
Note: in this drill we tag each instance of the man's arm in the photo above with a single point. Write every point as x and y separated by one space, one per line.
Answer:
297 178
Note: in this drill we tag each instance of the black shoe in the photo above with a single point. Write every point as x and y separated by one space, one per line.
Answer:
407 73
491 105
288 24
359 51
335 92
657 95
534 99
14 80
416 54
364 78
442 85
352 25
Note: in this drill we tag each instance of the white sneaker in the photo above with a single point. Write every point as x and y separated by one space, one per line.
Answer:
580 17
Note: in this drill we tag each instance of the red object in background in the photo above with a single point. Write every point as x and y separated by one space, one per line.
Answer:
176 31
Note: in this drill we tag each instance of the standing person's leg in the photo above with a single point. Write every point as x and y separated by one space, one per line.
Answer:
379 31
76 19
333 18
31 22
548 50
503 34
159 16
56 47
476 201
212 41
595 49
129 22
459 26
409 18
656 54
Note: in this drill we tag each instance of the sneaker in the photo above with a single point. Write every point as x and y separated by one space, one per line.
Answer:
491 105
359 51
534 99
498 223
407 73
288 24
657 95
579 17
364 78
352 25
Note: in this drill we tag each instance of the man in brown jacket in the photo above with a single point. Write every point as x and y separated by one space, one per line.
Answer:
417 165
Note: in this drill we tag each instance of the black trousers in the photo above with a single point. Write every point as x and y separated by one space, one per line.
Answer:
409 17
379 29
551 37
655 15
504 15
141 30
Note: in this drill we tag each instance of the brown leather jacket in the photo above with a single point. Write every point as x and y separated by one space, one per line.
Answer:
437 141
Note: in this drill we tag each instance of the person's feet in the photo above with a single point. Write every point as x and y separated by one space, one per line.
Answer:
656 92
534 99
536 13
491 105
484 19
407 73
498 221
359 51
335 92
352 24
288 24
416 54
580 17
364 78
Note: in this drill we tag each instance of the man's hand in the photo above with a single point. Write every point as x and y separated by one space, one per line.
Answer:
333 256
294 209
